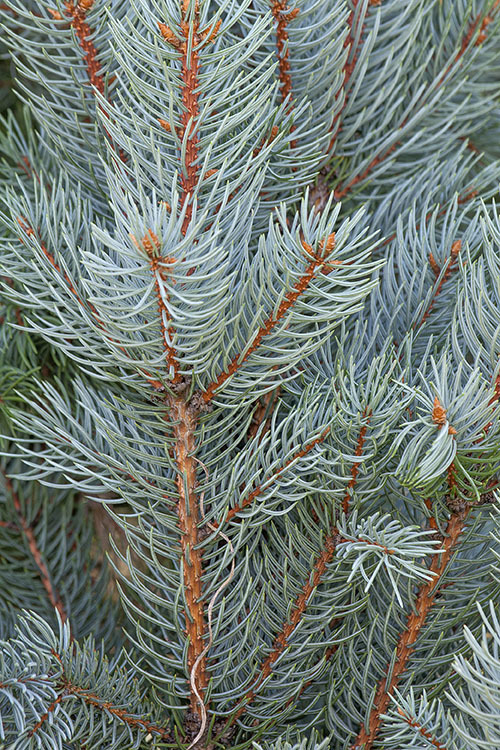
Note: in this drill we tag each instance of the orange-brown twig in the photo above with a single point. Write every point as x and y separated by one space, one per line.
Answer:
22 221
236 509
77 12
478 22
151 245
299 608
52 593
318 263
421 729
184 426
282 14
91 699
348 69
45 716
450 268
186 42
355 465
407 639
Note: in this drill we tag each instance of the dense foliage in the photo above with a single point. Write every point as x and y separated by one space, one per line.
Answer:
250 259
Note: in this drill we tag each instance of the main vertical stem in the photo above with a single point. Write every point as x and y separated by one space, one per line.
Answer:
190 114
184 426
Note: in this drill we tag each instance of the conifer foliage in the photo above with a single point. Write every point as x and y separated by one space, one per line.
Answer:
250 258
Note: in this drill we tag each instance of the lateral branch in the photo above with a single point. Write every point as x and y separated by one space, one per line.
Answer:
77 14
348 69
52 593
22 221
421 729
469 194
407 639
319 261
355 465
91 699
282 14
151 245
281 641
450 269
186 41
479 22
262 413
46 715
236 509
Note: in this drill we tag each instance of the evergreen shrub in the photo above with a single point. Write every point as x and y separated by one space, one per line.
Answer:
250 258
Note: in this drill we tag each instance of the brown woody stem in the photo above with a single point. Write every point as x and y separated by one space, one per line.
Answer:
422 730
318 263
355 465
479 22
281 641
451 268
159 265
190 65
31 540
407 639
347 70
184 426
266 485
22 221
68 688
283 15
77 12
93 700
